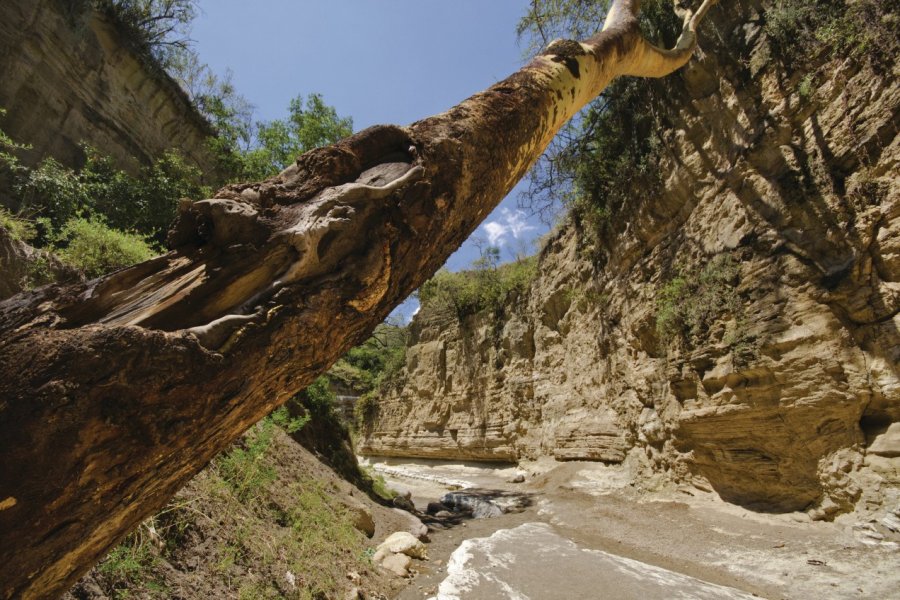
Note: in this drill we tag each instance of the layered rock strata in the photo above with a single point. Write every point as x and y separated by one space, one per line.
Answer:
70 76
786 396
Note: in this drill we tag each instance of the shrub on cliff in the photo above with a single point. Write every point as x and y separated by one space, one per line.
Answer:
160 28
611 152
94 248
8 148
54 195
596 163
689 302
865 30
487 287
145 203
16 228
364 367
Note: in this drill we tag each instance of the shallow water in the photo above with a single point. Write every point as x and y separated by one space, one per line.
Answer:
533 562
429 480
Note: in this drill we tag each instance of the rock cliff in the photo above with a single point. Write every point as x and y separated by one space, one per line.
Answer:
775 238
70 76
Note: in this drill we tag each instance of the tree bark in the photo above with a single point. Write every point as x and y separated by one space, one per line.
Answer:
115 392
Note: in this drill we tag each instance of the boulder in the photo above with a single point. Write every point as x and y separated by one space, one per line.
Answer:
402 542
479 507
398 564
887 444
414 525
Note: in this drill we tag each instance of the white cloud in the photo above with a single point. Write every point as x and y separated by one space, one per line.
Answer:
510 223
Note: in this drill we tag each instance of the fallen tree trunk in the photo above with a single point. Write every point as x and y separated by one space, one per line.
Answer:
115 392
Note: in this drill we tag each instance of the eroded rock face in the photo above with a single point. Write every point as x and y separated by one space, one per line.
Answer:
787 398
71 77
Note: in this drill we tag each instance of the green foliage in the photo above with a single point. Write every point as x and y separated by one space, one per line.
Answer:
94 248
688 304
254 516
364 367
316 515
365 411
38 268
309 125
8 149
316 530
52 192
321 533
802 30
39 272
18 228
131 564
230 114
547 20
620 148
327 434
245 468
281 417
594 163
145 204
127 561
805 88
160 27
487 287
317 399
245 150
378 485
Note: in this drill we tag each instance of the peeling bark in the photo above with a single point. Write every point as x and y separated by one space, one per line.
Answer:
115 392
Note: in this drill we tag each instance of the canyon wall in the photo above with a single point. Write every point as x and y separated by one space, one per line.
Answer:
780 210
69 75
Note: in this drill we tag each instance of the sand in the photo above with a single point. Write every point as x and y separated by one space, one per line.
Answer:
586 511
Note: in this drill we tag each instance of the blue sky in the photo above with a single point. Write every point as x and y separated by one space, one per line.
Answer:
378 61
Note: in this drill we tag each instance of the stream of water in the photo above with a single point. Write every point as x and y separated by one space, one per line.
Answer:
532 561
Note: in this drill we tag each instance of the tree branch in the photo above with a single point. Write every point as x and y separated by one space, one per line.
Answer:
659 62
143 376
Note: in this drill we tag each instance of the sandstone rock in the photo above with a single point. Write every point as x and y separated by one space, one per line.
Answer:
891 522
586 435
59 74
414 525
403 542
772 398
888 443
398 564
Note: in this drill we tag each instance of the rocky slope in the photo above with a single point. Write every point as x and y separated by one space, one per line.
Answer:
265 520
70 76
775 241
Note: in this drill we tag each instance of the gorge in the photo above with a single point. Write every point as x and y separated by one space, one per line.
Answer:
694 383
735 328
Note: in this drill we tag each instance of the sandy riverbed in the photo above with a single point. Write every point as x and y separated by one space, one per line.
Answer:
579 510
